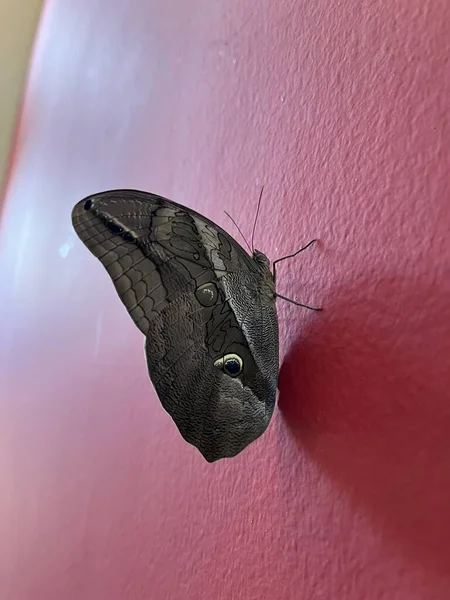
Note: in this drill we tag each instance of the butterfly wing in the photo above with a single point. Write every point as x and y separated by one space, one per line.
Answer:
199 298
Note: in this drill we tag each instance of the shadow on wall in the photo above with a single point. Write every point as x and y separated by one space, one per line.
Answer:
375 412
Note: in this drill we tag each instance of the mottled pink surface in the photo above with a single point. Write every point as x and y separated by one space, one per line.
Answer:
342 110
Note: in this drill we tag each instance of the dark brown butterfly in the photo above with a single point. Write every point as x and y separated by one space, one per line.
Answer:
206 308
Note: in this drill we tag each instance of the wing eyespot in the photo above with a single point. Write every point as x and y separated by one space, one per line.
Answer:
207 294
230 364
129 237
114 227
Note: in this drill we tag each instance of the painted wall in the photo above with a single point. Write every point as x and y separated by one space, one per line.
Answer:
342 110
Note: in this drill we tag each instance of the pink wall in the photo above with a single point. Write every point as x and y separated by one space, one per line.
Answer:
342 110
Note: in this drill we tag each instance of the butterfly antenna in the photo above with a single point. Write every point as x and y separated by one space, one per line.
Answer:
238 228
256 217
316 308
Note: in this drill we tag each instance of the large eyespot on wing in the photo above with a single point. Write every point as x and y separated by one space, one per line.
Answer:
231 364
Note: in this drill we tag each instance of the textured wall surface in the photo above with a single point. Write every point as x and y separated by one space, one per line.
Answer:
342 110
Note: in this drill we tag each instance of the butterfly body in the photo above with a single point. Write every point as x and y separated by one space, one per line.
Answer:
206 308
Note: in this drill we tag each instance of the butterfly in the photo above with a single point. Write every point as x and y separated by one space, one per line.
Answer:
205 306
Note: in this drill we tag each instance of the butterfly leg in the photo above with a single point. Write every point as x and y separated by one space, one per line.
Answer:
316 308
274 265
274 277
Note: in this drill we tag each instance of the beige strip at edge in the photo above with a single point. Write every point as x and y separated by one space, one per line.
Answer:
18 23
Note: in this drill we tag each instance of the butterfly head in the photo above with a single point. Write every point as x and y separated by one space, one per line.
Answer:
261 259
266 287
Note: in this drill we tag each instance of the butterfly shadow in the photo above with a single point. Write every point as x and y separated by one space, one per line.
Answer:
365 395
